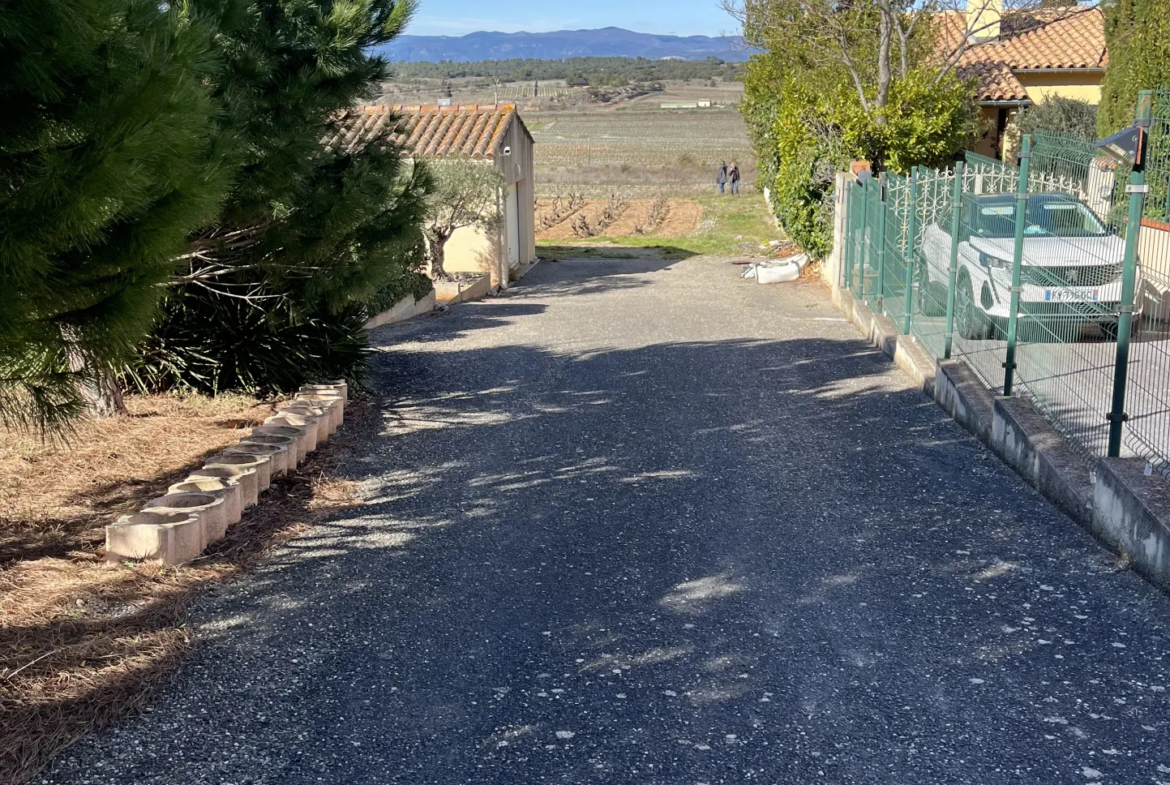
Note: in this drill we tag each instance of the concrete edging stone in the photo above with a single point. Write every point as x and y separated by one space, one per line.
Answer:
1123 508
175 528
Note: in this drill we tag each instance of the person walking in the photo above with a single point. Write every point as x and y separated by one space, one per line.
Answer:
733 177
721 176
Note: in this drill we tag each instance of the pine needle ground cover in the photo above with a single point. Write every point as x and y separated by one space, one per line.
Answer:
83 642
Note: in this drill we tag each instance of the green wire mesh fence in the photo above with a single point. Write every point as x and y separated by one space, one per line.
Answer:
1019 272
1147 430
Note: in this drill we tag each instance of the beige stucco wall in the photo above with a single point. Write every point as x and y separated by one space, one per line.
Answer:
471 250
1082 86
518 169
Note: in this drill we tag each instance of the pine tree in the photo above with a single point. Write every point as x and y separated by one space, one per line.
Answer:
310 229
1137 37
109 157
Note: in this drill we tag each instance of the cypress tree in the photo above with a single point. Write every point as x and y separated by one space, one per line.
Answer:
1137 37
109 157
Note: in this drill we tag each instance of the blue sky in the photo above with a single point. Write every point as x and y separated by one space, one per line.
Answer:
675 17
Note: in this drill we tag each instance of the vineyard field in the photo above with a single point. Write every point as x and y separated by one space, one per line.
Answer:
641 154
580 218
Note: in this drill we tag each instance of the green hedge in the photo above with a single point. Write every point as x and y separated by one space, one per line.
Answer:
411 283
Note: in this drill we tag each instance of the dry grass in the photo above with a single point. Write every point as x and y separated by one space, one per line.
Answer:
83 642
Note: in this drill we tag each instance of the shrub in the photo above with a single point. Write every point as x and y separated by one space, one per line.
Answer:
924 123
1060 115
248 349
809 151
1137 36
411 283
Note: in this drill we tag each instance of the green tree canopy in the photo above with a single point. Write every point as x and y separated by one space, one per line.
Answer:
109 156
1137 36
312 228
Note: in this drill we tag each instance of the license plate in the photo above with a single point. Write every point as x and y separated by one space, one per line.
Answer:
1070 295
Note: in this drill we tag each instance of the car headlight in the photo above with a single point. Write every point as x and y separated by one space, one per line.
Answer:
987 260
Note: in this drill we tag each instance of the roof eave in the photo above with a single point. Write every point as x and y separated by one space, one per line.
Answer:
1093 69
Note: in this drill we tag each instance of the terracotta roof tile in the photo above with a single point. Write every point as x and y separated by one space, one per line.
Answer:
428 131
996 81
1059 38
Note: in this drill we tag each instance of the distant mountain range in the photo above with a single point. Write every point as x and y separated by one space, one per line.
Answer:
607 42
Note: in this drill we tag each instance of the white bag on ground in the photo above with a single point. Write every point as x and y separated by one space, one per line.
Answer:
781 270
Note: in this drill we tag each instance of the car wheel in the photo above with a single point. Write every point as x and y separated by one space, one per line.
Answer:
972 321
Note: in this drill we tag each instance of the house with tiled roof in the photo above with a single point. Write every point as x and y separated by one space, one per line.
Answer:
1024 58
492 135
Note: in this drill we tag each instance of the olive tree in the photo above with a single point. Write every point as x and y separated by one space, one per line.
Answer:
466 194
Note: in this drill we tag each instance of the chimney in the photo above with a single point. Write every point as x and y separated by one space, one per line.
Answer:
983 20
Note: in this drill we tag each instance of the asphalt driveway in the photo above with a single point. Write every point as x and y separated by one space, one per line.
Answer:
644 522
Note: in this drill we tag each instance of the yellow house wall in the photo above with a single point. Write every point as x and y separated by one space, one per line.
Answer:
470 250
1082 86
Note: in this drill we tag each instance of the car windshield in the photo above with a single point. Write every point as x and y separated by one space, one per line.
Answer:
1046 218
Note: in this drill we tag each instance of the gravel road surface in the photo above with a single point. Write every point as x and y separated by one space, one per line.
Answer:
645 522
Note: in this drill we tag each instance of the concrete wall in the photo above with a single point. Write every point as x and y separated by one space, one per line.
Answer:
518 169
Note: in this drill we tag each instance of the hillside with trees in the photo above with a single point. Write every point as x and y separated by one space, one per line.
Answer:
576 71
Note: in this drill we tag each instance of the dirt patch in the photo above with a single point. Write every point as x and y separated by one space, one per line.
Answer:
682 219
83 642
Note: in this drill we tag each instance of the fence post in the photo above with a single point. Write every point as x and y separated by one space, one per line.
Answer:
1136 190
953 268
849 247
865 244
1009 364
911 257
881 245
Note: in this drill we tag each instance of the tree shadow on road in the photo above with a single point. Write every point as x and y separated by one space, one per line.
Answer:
675 563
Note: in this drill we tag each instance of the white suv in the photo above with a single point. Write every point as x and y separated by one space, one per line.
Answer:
1070 272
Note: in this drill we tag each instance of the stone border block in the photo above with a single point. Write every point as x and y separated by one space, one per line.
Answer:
299 433
261 463
294 419
278 455
319 417
162 536
291 443
208 507
224 487
246 476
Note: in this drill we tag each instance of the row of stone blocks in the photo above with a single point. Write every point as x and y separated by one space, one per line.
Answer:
175 528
